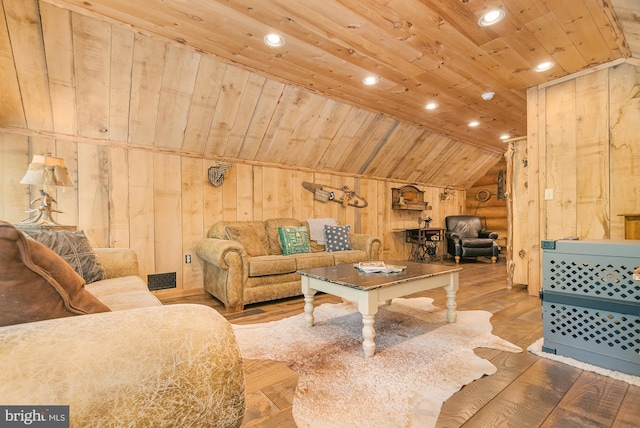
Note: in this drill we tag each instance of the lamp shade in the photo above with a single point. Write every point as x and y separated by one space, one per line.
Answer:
47 170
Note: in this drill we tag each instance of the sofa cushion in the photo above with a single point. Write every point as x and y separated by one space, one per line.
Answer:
337 238
246 235
271 265
349 256
271 226
313 260
118 262
36 284
294 240
128 292
75 249
477 242
467 230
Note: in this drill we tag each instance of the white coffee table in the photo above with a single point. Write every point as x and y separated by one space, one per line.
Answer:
369 289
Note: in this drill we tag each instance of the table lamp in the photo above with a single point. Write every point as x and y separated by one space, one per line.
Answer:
46 171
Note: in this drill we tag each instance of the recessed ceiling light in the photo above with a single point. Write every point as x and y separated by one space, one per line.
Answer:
274 40
474 123
543 66
488 96
492 17
370 80
504 136
431 106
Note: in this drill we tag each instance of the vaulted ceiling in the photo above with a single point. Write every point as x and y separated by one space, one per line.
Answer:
195 76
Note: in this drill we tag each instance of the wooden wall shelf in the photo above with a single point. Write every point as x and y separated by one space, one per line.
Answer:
408 198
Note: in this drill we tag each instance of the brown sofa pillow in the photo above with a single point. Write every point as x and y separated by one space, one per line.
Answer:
36 284
247 237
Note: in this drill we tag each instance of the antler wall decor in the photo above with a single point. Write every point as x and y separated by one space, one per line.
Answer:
217 172
446 193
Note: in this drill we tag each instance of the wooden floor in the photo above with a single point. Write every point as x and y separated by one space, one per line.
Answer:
526 391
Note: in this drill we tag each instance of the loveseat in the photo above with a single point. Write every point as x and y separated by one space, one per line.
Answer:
244 263
131 362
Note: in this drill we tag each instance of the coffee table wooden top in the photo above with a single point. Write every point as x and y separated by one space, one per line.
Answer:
349 276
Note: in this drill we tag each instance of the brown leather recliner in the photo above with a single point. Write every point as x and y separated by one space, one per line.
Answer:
466 238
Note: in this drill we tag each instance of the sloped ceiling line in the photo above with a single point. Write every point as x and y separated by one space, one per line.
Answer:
379 146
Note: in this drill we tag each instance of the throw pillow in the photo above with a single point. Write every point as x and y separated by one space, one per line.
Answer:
294 240
271 225
336 238
246 236
75 249
36 284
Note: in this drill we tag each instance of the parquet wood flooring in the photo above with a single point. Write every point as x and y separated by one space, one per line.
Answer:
526 391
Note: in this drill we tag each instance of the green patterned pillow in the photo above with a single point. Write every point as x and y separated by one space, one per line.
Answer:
294 240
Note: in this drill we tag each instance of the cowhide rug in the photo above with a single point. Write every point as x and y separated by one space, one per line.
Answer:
420 361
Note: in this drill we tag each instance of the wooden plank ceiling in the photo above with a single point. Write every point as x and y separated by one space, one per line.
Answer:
195 77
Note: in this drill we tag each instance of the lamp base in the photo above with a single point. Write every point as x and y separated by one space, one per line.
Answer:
42 218
42 214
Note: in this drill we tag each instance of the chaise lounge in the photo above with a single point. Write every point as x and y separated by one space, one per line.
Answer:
110 350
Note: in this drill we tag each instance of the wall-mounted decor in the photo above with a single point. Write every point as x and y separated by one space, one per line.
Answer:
446 194
408 198
343 196
217 172
500 184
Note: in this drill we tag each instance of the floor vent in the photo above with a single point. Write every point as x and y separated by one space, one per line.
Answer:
160 281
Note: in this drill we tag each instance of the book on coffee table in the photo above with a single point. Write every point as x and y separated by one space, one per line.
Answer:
378 267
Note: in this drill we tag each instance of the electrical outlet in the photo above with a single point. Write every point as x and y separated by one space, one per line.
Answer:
548 194
187 258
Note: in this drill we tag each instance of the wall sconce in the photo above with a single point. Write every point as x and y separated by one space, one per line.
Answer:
48 172
217 172
446 194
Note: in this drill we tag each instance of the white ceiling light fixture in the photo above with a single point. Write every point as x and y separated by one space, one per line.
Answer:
491 18
431 106
474 123
504 136
544 66
274 40
488 96
370 80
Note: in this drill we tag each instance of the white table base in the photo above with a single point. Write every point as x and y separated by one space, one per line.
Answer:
368 300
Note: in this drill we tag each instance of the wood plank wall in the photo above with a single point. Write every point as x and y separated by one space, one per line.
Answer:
160 203
583 144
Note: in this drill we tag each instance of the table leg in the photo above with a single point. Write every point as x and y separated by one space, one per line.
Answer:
368 333
368 307
308 301
451 297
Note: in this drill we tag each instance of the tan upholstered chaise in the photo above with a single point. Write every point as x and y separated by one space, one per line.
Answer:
133 363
